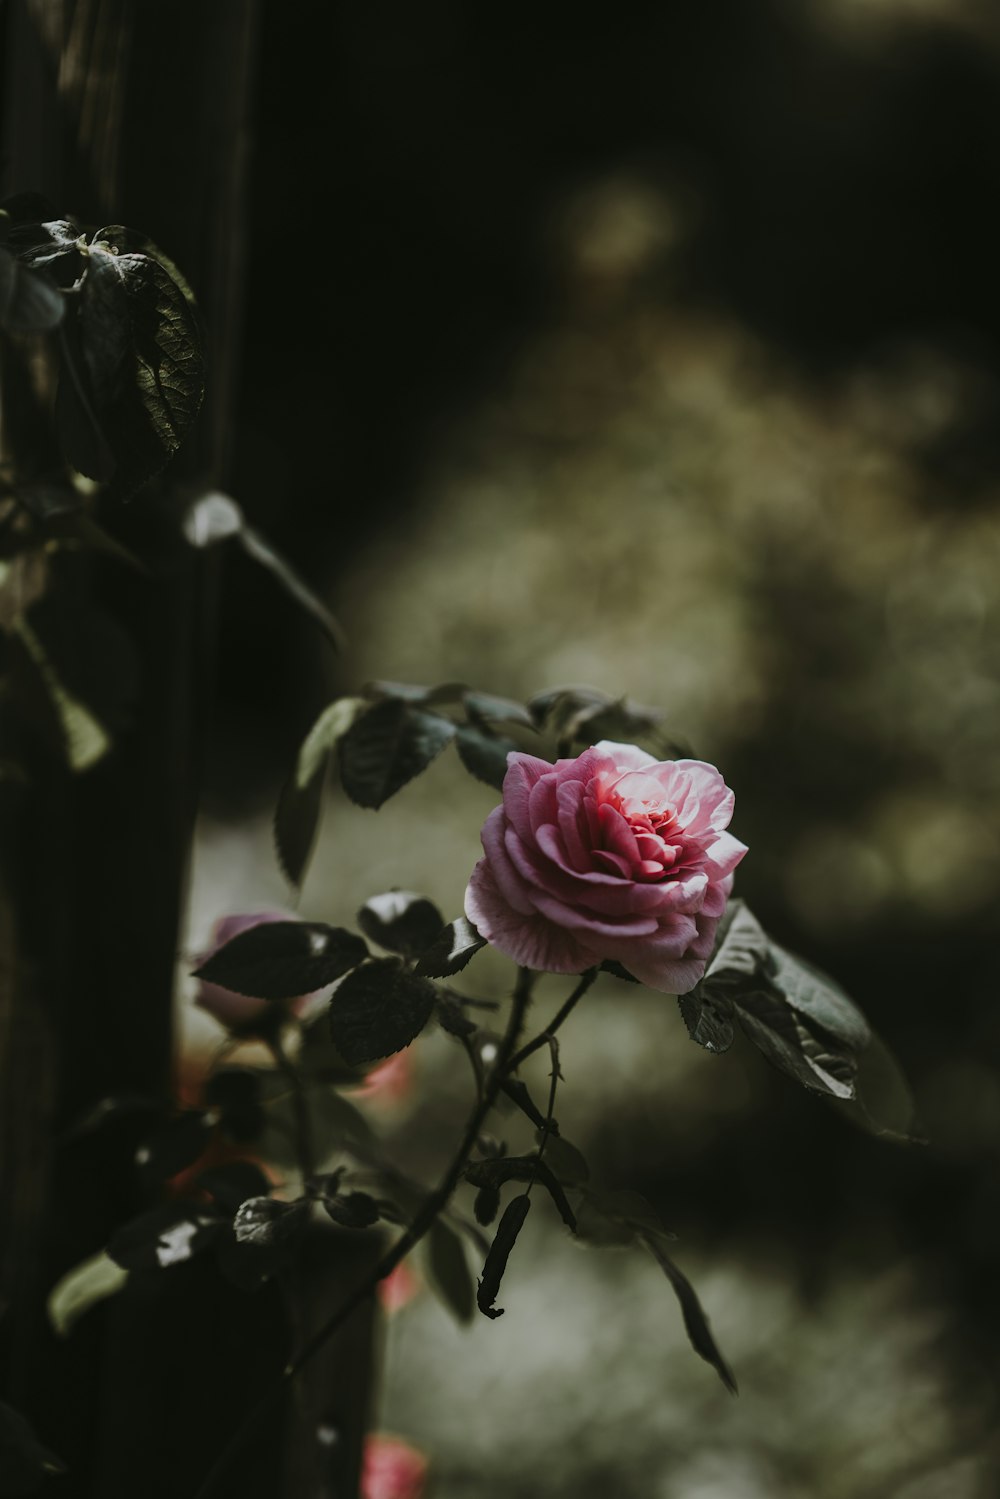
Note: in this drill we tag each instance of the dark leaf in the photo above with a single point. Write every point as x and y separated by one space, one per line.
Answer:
24 1462
883 1104
297 817
483 755
454 1019
30 301
266 1223
509 1227
157 387
378 1010
486 1205
166 1235
695 1320
230 1185
283 959
483 708
449 1270
708 1018
401 922
80 426
612 965
617 1217
564 1160
494 1173
452 950
352 1209
388 746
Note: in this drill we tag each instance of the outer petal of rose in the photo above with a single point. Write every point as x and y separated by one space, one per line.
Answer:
625 756
504 873
668 975
709 790
531 941
716 897
588 927
523 771
586 766
542 805
723 854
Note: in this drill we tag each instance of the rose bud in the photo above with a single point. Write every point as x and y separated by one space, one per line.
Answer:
610 855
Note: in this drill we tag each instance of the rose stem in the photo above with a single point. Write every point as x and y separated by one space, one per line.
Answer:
300 1107
547 1126
432 1206
556 1021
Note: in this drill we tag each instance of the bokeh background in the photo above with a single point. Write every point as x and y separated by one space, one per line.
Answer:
660 352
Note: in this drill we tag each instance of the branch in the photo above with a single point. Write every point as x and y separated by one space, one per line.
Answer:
544 1036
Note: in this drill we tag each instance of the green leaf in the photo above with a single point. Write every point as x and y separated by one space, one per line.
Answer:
284 959
448 1271
387 747
884 1104
297 817
24 1462
401 922
695 1320
455 946
84 1286
379 1009
483 755
508 1229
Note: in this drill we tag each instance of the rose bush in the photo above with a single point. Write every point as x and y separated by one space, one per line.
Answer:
609 855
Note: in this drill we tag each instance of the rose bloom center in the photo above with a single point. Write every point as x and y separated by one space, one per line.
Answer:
653 822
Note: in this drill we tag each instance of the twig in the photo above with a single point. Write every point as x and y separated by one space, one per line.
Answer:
556 1021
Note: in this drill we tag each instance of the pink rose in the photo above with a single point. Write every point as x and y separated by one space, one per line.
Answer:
239 1012
611 855
392 1469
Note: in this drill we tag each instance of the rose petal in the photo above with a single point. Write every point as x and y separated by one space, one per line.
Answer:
531 941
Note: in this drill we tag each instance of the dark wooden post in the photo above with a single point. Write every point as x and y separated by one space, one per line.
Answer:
137 114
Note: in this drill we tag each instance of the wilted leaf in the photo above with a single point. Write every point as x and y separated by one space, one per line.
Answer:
695 1320
509 1227
401 922
456 944
449 1271
91 1281
378 1010
386 747
283 959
